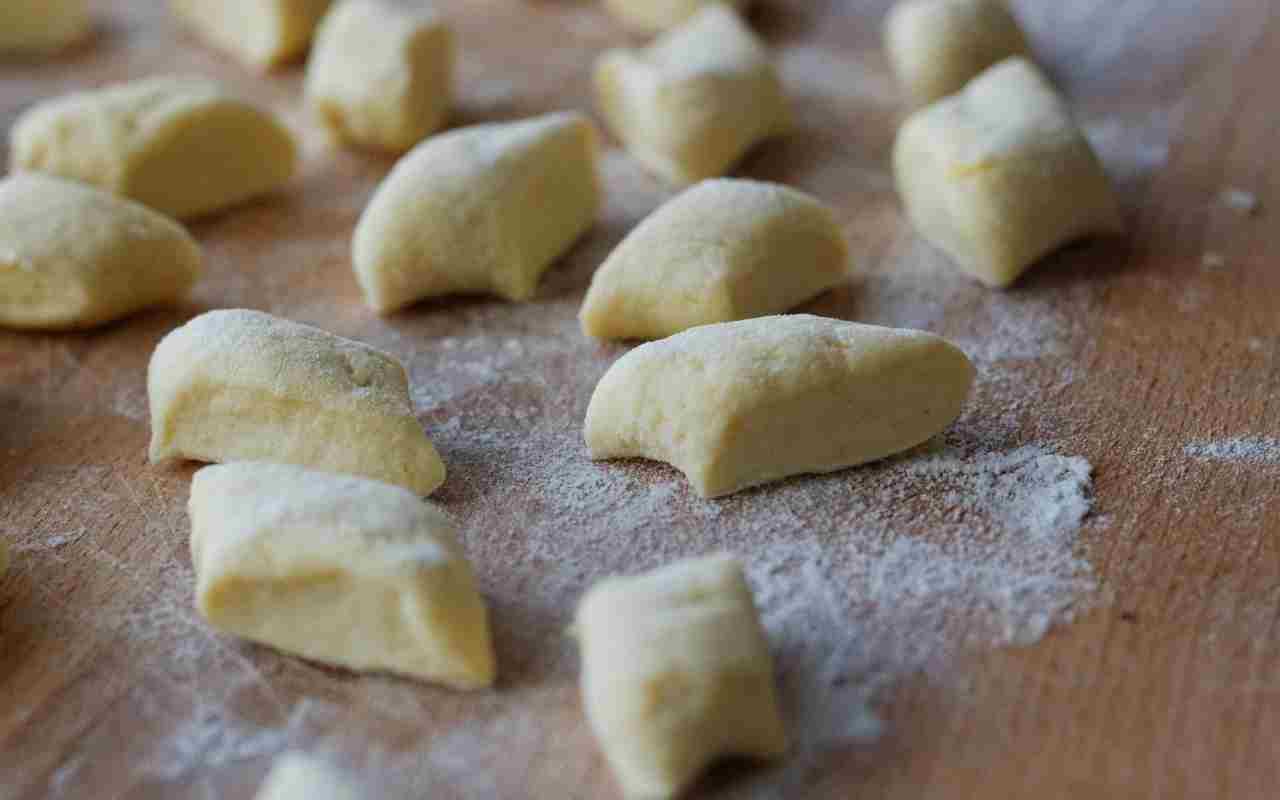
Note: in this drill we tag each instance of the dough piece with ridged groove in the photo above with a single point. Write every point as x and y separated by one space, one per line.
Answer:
487 208
721 251
240 385
380 74
676 673
693 103
337 569
740 404
937 46
182 146
72 256
261 33
42 27
999 175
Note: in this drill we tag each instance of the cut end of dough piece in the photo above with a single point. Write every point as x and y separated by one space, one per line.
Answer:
260 33
179 145
42 27
999 175
380 74
694 102
296 776
723 250
676 673
937 46
654 16
337 569
241 385
740 404
72 256
482 209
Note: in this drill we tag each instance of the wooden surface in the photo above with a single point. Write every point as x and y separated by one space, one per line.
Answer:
1123 353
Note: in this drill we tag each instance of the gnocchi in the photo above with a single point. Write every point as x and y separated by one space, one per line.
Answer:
262 33
379 74
486 208
999 175
937 46
693 103
72 256
337 569
179 145
723 250
676 673
739 404
240 385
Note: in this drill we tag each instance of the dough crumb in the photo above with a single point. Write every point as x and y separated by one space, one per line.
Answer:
1240 201
1213 260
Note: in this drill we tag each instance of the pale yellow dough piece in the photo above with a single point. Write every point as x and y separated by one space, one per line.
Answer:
652 16
999 175
937 46
740 404
42 27
380 73
723 250
179 145
693 103
676 673
241 385
72 256
486 208
261 33
337 569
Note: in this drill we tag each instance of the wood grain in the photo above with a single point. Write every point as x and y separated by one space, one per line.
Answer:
111 687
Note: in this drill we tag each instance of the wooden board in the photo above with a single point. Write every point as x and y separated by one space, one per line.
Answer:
1159 366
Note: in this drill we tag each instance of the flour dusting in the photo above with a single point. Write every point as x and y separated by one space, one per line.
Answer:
867 579
1239 450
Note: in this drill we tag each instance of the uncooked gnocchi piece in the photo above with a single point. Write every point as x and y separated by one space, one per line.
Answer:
937 46
241 385
676 673
42 27
721 251
739 404
486 208
295 776
380 73
262 33
999 175
179 145
337 569
658 15
690 105
72 256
